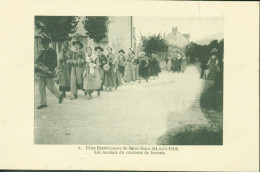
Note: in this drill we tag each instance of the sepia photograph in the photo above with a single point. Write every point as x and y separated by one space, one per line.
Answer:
128 80
129 85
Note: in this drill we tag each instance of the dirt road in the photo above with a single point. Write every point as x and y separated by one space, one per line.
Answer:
138 113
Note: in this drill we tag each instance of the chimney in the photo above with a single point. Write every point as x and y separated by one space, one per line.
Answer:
174 30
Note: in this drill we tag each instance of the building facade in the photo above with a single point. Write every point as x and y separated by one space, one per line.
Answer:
120 35
176 41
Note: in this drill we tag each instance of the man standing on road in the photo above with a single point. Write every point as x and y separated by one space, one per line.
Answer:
45 65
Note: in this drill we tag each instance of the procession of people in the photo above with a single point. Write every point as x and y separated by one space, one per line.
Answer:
176 62
90 71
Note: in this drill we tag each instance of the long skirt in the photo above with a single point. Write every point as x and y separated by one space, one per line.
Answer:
212 71
109 78
144 71
178 65
169 65
135 71
92 81
64 77
173 66
183 65
118 80
153 70
121 70
128 72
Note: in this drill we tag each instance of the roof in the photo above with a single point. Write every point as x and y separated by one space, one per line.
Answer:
176 38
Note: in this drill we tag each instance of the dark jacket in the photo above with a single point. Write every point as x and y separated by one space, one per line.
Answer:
48 58
102 60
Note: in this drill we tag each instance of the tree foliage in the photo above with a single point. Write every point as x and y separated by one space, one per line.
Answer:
201 52
96 27
57 28
153 44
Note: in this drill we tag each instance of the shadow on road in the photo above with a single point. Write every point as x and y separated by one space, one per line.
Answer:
206 128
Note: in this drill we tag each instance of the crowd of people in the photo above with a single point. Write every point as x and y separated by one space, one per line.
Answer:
176 62
91 70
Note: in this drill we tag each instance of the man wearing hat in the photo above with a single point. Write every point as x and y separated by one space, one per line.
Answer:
77 62
121 64
48 61
102 61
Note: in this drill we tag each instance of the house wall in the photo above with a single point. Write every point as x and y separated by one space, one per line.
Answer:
119 36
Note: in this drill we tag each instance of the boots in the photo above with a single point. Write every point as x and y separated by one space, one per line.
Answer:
75 97
89 96
60 99
41 106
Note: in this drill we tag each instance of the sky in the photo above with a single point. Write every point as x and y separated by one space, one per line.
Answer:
198 28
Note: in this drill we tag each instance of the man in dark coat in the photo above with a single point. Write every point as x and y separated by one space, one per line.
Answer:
47 61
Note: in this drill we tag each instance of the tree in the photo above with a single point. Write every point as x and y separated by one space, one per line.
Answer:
154 44
57 28
96 27
201 52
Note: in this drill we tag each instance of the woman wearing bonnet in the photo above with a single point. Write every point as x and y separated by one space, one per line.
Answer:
213 64
109 71
91 81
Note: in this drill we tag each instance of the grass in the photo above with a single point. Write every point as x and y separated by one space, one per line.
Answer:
200 136
211 100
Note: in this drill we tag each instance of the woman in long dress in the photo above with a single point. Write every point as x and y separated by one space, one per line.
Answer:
77 61
183 63
91 75
153 66
128 76
64 69
213 64
109 74
135 67
144 68
158 68
173 63
169 64
117 74
178 63
102 61
121 59
134 64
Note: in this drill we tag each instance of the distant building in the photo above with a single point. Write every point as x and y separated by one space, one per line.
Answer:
121 35
176 41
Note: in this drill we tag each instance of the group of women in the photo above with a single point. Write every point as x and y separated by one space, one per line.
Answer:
176 63
97 72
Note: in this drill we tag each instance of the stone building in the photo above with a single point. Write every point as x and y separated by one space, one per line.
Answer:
176 41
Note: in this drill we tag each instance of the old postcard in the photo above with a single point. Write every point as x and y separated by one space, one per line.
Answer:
129 85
